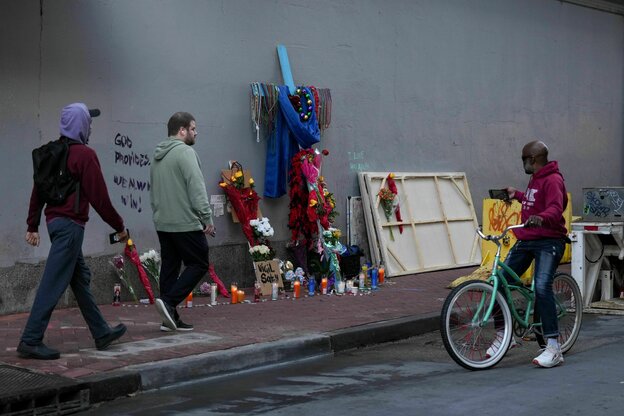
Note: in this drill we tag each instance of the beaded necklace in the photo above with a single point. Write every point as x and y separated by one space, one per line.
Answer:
306 104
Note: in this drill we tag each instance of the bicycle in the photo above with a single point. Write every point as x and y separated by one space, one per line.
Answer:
476 313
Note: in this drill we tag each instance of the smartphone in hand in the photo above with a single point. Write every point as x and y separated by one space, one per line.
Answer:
112 237
499 194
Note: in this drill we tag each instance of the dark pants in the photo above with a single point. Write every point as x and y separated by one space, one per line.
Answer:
547 254
190 248
65 267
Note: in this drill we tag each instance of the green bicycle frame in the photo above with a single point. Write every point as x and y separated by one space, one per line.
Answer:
527 293
495 279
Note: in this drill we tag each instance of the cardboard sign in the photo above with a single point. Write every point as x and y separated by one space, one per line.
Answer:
268 272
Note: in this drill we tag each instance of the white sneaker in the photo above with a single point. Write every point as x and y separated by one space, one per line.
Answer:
497 344
550 357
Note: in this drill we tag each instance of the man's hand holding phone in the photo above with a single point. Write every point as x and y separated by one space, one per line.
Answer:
119 237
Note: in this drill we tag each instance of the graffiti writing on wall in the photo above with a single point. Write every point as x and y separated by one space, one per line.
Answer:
603 203
134 188
502 215
357 163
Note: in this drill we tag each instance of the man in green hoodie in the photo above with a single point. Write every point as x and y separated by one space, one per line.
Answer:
182 217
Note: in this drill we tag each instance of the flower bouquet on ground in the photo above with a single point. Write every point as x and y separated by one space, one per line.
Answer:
261 252
151 263
118 264
333 248
132 254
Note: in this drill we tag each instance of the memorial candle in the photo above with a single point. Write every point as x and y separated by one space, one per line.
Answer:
233 293
297 289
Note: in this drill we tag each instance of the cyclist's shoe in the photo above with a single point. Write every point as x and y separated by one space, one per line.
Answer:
497 344
550 357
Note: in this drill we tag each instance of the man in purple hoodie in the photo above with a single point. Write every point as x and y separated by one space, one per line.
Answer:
543 239
65 222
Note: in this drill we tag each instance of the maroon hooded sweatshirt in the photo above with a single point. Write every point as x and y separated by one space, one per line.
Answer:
83 164
545 196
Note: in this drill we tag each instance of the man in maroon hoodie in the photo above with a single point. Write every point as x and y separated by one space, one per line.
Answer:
543 239
65 222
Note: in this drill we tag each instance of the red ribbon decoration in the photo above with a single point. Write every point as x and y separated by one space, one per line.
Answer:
245 204
133 255
213 275
393 188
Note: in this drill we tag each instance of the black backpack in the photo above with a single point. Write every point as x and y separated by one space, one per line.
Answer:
52 179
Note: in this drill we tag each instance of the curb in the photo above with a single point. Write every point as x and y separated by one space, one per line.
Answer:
150 376
384 331
216 363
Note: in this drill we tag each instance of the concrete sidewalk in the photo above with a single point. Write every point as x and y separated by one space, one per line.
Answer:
226 338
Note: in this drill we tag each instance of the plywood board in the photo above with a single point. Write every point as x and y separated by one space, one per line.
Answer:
371 227
439 222
356 225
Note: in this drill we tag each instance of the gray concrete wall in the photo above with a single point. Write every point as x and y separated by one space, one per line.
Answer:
454 85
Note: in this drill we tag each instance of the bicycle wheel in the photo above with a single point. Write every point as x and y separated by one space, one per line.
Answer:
569 310
473 343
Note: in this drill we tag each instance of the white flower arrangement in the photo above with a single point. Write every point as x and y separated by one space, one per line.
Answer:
261 227
151 263
261 253
150 255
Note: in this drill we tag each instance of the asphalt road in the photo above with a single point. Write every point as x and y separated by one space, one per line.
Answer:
413 377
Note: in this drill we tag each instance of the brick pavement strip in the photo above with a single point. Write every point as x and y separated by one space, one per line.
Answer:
229 329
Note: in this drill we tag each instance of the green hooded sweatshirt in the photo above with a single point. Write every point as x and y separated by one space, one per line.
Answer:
178 191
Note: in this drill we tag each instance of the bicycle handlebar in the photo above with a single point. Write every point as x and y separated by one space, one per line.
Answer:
495 238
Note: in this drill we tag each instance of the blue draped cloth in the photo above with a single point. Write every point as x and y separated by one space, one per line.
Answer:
289 134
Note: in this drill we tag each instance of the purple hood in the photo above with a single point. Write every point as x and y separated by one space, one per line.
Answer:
76 122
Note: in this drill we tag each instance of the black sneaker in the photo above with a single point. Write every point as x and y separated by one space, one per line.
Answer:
166 313
116 333
38 352
182 326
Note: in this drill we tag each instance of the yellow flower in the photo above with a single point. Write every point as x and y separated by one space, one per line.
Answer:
251 181
325 192
331 204
238 174
313 202
129 242
222 184
233 179
391 176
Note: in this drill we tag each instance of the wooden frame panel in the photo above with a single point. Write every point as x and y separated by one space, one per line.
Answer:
439 222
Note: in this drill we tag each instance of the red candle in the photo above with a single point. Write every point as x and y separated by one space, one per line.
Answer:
233 294
297 289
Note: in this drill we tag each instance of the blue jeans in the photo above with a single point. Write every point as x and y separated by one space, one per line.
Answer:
190 248
547 254
65 267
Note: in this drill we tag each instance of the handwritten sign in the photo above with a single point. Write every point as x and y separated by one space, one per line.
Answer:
268 272
133 189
